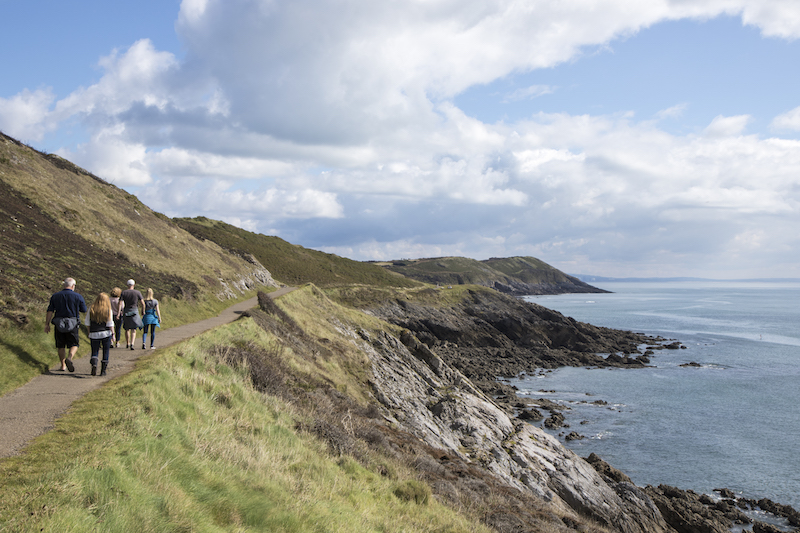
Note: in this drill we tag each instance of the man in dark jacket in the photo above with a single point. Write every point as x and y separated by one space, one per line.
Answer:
64 313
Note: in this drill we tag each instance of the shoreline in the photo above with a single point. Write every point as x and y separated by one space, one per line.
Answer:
489 338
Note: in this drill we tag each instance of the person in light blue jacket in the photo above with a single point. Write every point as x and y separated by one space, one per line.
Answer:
151 319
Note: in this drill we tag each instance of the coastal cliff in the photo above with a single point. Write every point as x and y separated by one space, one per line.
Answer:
436 380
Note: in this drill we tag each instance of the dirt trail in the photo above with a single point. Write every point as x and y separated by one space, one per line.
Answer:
32 409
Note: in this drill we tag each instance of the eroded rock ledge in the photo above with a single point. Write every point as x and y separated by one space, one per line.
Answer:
439 381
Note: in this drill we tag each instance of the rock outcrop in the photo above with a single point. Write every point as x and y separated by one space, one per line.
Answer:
430 399
489 335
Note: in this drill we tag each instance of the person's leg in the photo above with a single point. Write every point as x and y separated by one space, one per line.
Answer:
95 350
152 335
72 342
106 348
133 337
62 355
144 335
117 329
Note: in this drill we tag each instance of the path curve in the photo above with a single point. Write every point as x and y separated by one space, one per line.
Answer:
31 410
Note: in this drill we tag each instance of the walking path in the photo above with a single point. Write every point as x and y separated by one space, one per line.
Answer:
32 409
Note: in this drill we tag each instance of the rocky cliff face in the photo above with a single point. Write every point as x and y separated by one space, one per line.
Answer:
489 335
435 402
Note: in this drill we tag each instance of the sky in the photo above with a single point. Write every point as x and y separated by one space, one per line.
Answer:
620 138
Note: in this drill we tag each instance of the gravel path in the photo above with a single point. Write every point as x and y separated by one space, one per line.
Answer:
32 409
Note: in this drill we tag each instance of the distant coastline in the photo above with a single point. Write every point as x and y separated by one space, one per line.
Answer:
588 278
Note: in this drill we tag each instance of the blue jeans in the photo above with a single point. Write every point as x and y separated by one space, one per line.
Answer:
152 334
96 344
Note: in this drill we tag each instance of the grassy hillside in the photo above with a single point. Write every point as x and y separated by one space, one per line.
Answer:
515 275
197 440
289 263
266 424
58 220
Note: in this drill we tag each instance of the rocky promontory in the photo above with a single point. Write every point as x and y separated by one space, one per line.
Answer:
489 335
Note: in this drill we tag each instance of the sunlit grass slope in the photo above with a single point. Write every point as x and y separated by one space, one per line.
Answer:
187 442
56 211
58 220
289 263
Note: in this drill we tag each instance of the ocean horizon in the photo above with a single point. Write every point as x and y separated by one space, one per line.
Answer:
721 413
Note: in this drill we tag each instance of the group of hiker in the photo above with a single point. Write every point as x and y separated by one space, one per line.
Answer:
124 310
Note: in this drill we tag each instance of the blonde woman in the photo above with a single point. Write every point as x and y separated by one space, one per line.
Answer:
151 319
100 321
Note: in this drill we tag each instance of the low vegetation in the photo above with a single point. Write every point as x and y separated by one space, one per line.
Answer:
514 275
58 221
291 263
204 437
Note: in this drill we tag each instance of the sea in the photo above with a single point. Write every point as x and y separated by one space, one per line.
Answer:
730 420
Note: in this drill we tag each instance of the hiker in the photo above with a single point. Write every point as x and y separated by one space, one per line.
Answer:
115 292
151 319
130 302
64 313
100 321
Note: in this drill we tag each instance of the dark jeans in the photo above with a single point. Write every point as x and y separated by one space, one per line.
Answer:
117 327
96 344
152 334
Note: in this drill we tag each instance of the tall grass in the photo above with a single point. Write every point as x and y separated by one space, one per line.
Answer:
27 351
184 443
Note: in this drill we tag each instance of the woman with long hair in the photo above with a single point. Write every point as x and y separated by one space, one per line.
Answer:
115 292
151 319
100 322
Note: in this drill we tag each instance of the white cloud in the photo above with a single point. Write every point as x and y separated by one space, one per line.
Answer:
24 115
112 158
727 126
287 111
526 93
789 121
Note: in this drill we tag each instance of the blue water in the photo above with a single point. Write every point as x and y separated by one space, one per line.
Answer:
734 422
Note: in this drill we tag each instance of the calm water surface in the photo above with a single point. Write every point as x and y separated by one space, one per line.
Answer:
733 422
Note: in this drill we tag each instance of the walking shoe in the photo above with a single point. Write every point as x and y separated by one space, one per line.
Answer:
143 347
132 347
69 364
94 370
152 347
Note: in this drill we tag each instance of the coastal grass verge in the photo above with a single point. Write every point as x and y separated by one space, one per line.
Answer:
186 443
364 296
27 351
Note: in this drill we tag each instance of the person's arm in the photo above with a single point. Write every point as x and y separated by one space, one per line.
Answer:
47 321
158 311
111 326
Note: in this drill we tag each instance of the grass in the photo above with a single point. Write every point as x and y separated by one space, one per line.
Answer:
362 297
292 264
27 351
57 220
185 443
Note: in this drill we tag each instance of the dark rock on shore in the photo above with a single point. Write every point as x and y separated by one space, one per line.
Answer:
555 421
606 470
689 512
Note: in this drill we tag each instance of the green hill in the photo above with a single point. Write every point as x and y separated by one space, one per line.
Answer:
58 220
513 275
290 263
